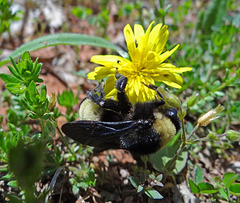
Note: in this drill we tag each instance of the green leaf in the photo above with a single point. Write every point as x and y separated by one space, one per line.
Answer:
233 135
235 189
33 116
37 68
83 185
7 176
43 93
15 73
207 188
229 178
198 174
12 116
32 90
13 184
26 56
181 162
91 175
194 188
75 189
134 181
213 15
192 100
2 142
67 99
139 189
159 177
62 39
152 177
12 127
160 159
27 74
219 93
224 194
15 88
28 96
9 78
27 105
154 194
163 156
14 65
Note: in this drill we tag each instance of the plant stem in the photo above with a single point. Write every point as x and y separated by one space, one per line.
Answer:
193 131
66 143
43 129
161 3
183 127
171 163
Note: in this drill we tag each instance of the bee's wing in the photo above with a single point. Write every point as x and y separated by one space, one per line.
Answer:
99 134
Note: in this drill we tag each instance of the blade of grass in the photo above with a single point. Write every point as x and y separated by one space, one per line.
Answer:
62 39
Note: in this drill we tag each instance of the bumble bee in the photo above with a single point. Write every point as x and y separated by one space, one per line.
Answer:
142 128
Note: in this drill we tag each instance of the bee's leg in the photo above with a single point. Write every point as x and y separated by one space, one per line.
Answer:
122 105
97 95
121 83
123 102
155 88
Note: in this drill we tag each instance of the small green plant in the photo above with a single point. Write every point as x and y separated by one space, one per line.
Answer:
6 16
222 188
100 20
84 178
28 153
68 100
147 184
22 75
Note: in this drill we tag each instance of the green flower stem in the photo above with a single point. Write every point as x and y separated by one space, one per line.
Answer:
170 165
43 128
193 131
183 128
66 143
161 3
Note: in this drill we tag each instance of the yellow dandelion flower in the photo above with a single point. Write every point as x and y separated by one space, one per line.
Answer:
146 64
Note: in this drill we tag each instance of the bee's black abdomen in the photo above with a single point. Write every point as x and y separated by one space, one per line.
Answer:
143 140
144 145
109 116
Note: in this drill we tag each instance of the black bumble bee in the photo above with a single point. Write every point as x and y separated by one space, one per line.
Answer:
142 128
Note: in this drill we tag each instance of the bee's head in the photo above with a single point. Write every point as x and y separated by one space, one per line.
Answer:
172 114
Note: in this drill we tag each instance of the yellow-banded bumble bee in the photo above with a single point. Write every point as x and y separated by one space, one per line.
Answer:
142 128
